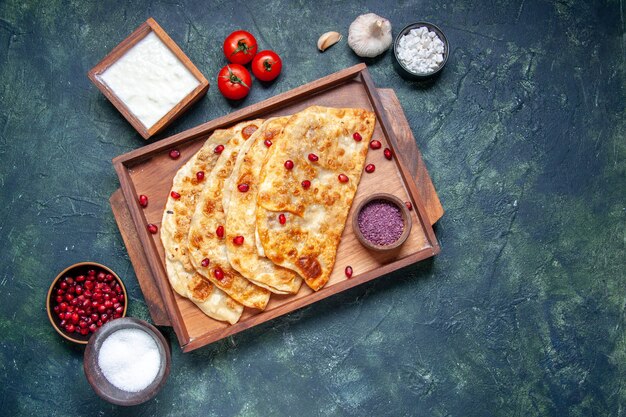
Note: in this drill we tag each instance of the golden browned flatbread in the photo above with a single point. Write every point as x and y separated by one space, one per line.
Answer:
174 229
315 217
241 215
207 250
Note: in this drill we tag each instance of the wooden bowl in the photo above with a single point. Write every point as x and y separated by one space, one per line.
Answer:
150 26
80 268
406 218
98 381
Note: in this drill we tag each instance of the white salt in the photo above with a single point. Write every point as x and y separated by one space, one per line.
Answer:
421 50
129 359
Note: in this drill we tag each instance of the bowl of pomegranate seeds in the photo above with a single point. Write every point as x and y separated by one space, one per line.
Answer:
82 298
382 222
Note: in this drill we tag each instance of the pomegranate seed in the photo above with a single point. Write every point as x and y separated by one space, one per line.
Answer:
348 271
306 184
238 240
101 276
79 290
200 175
70 328
175 195
83 324
289 164
63 306
75 318
84 331
174 154
205 262
91 272
99 323
93 327
357 136
108 304
343 178
282 219
408 205
219 149
387 153
80 278
109 277
94 317
60 292
69 297
101 308
59 298
119 310
243 187
219 274
63 285
220 231
268 143
89 285
143 200
375 144
313 157
152 228
56 309
369 168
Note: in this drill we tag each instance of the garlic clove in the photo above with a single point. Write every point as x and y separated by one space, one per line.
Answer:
327 40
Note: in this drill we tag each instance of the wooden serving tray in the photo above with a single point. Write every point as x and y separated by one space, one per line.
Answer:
409 153
149 171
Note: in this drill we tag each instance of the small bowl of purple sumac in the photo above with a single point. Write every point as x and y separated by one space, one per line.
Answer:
82 298
381 222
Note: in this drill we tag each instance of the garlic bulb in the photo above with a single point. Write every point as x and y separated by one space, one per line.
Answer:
369 35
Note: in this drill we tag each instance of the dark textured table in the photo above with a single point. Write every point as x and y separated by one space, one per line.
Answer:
522 313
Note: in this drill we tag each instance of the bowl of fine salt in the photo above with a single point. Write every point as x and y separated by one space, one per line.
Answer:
127 361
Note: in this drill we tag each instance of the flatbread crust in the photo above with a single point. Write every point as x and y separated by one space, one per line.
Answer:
209 215
307 243
241 215
174 230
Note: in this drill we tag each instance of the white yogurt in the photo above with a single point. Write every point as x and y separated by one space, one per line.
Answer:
149 79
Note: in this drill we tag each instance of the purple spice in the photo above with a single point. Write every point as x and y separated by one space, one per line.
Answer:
381 222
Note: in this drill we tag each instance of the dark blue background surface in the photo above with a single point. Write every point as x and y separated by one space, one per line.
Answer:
523 134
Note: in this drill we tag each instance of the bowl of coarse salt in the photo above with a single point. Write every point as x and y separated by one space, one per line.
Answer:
421 50
127 361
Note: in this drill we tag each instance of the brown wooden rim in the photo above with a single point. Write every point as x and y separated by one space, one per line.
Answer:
125 162
61 274
141 32
406 219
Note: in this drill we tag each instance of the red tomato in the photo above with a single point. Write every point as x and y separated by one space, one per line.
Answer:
266 65
240 47
234 81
